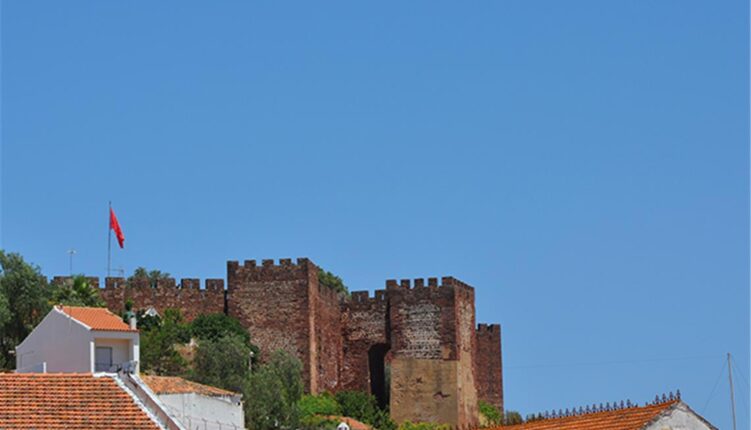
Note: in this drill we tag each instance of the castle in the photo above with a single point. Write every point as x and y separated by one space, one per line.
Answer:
414 346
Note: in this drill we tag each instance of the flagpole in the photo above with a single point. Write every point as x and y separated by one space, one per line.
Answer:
109 239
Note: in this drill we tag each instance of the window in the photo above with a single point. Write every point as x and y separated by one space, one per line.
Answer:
102 359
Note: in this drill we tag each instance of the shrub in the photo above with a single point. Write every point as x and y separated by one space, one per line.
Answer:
512 417
324 404
363 407
332 281
489 414
407 425
318 422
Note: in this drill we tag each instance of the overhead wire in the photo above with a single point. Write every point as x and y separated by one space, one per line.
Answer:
607 363
717 382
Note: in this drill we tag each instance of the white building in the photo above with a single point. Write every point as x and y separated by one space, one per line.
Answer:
198 406
78 339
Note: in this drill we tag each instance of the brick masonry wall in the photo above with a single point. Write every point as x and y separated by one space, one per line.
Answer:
489 364
466 346
187 296
423 319
273 302
328 342
364 324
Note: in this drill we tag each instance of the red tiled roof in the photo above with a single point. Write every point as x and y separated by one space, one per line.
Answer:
67 401
633 418
351 422
175 385
96 318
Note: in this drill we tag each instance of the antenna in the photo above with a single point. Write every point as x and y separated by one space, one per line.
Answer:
732 395
71 252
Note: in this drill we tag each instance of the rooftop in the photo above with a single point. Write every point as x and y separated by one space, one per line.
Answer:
176 385
67 401
628 418
100 319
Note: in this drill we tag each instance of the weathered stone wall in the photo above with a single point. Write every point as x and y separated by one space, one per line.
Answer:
489 364
466 346
433 345
424 390
423 319
365 324
187 296
273 302
328 342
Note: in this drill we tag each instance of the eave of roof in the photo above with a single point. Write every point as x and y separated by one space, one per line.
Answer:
177 385
96 319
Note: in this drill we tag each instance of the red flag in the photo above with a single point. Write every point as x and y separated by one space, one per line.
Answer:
114 225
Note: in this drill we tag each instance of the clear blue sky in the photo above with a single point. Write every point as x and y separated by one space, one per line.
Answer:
583 164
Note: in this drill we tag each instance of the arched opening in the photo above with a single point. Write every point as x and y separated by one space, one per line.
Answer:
379 374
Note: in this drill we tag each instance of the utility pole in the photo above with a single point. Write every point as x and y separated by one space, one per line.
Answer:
732 395
71 253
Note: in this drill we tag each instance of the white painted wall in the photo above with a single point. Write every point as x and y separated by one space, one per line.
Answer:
680 417
58 340
192 409
68 346
120 349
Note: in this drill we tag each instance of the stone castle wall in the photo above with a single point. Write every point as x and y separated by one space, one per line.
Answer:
489 364
187 295
274 302
421 332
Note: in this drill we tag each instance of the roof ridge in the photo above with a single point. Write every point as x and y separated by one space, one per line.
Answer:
665 399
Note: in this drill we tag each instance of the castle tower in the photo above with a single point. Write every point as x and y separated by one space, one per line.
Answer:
284 307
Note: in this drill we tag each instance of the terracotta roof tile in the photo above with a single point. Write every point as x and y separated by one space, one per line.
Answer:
175 385
67 401
633 418
351 422
100 319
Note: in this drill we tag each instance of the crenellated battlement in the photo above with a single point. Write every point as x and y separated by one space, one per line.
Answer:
186 295
269 270
488 328
114 283
68 280
445 282
366 300
268 263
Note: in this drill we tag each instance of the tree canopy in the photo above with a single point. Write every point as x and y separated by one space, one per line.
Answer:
332 281
78 292
24 301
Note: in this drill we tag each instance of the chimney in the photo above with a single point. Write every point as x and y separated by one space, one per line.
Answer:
133 321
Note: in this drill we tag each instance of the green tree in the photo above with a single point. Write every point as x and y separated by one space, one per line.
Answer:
512 417
79 292
364 407
215 326
273 392
489 414
141 274
332 281
158 353
407 425
25 302
322 404
222 362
